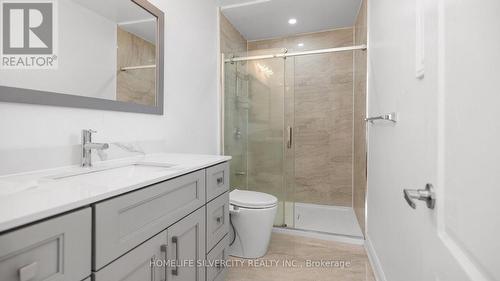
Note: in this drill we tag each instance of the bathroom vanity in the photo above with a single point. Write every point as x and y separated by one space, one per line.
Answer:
117 219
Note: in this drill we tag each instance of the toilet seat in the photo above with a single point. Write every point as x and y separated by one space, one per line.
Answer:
252 199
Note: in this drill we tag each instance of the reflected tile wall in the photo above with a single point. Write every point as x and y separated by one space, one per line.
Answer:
137 86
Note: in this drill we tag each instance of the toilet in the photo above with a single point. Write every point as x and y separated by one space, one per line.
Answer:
252 218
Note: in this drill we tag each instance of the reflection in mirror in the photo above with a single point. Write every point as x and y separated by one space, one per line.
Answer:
136 63
106 50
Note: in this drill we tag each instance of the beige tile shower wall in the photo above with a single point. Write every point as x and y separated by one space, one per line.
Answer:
137 86
359 179
323 116
231 41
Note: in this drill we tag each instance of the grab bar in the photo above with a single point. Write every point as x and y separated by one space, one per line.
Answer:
389 117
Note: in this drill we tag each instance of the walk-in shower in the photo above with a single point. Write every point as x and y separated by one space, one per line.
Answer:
289 126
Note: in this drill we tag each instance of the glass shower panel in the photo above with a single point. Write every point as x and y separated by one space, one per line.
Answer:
236 122
266 132
254 126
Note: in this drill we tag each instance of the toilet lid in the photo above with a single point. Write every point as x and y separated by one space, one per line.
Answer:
252 199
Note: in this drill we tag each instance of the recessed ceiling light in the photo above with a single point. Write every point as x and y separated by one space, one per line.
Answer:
300 44
292 21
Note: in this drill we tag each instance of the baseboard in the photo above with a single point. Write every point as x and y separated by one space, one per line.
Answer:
374 260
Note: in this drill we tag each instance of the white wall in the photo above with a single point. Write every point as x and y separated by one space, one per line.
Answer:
400 155
30 133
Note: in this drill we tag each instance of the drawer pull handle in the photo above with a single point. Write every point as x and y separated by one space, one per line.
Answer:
163 249
28 272
175 271
220 180
218 219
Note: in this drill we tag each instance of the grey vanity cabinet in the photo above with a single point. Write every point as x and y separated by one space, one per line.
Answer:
122 223
58 249
137 264
186 246
164 231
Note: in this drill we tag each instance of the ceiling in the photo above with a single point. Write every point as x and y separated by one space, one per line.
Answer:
126 14
264 19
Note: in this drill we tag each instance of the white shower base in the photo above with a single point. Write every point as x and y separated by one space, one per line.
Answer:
320 235
326 219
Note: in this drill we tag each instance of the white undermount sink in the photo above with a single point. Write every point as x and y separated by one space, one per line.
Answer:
98 175
121 171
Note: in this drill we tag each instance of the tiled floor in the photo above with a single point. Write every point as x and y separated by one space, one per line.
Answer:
346 262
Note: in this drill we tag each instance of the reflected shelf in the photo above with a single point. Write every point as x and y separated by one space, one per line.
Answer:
138 67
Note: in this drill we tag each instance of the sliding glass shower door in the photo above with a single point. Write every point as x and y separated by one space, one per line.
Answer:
254 131
323 134
289 127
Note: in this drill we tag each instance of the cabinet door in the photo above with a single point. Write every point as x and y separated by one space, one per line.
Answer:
138 264
216 261
186 246
57 249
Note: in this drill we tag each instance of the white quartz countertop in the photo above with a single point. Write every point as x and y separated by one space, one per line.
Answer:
29 197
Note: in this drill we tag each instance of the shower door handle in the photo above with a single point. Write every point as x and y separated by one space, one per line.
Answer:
289 137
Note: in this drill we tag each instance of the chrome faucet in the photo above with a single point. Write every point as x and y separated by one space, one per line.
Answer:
88 145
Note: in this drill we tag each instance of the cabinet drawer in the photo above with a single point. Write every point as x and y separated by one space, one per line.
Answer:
217 180
126 221
217 220
136 264
216 268
55 250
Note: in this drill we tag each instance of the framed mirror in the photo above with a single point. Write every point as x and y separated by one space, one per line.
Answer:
95 54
